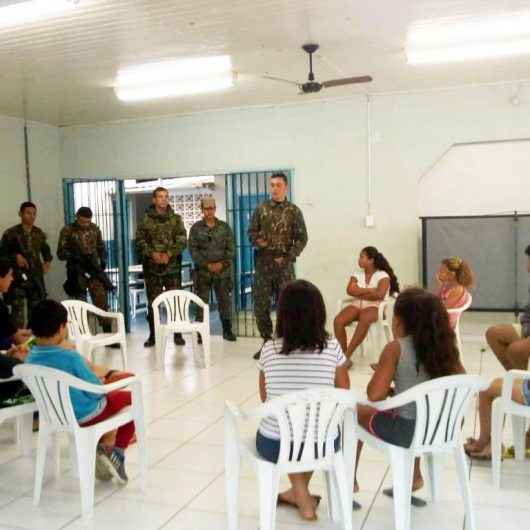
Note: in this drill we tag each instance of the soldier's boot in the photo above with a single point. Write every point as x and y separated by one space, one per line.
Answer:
150 342
178 339
227 330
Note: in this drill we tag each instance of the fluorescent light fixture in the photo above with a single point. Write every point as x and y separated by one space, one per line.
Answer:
471 38
176 88
174 78
27 12
174 70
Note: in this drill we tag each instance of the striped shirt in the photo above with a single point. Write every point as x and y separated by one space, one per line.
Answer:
300 370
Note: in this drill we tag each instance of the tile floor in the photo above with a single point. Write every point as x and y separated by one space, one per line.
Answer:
185 489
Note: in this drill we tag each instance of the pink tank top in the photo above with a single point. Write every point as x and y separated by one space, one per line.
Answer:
443 293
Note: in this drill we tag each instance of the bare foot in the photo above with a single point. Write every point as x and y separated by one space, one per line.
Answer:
306 509
287 497
482 454
473 445
417 483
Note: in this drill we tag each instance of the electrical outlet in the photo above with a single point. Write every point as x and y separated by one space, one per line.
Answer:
369 221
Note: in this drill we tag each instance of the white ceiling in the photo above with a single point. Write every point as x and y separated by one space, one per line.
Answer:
65 66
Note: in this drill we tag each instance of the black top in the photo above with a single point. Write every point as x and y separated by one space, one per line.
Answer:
7 328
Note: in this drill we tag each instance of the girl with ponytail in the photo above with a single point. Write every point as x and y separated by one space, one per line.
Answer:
368 288
454 278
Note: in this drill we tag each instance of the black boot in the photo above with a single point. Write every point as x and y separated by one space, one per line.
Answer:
257 355
227 330
178 339
150 342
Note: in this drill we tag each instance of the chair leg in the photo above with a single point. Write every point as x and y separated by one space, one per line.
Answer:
123 351
434 470
24 433
518 426
333 496
160 349
345 492
141 440
206 347
86 458
497 420
463 477
402 463
268 483
232 471
40 464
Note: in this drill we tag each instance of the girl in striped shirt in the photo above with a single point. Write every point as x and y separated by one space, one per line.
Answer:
302 356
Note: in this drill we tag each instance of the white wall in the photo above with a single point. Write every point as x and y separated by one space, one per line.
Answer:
325 144
44 152
496 172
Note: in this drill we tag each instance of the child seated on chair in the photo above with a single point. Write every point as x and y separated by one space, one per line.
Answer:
481 449
48 324
424 349
454 278
368 288
302 356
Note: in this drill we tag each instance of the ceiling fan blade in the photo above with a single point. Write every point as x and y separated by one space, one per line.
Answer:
347 81
281 80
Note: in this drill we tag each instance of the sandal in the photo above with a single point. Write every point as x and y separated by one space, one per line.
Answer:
483 456
415 501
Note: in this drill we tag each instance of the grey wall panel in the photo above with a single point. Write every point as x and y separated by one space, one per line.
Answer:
488 244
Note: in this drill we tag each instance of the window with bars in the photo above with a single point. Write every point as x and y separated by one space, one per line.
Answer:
188 206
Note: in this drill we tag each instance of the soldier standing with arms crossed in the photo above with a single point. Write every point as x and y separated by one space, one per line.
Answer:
26 246
278 232
160 240
211 244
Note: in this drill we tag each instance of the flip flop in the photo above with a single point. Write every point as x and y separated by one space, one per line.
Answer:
284 502
481 457
415 501
510 452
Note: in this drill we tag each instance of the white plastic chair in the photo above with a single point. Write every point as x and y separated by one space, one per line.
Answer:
459 311
177 308
51 390
23 415
309 422
440 407
79 330
380 332
502 406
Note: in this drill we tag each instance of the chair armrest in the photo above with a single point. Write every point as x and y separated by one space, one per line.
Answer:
107 314
508 380
105 389
10 379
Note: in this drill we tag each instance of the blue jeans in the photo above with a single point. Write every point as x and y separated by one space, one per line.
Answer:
269 449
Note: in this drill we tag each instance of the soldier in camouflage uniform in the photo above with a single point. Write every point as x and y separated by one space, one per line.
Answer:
30 254
211 243
78 242
278 232
160 240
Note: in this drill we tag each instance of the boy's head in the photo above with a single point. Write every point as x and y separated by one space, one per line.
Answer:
527 252
6 275
48 321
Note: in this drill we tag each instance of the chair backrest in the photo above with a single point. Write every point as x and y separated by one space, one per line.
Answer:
51 390
176 304
309 422
78 325
441 404
456 312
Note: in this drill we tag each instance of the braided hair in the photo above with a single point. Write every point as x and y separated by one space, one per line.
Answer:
381 264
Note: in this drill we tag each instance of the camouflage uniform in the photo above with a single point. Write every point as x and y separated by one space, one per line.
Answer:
29 283
282 226
160 233
213 245
76 243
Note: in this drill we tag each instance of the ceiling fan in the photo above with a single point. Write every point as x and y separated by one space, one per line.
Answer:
311 85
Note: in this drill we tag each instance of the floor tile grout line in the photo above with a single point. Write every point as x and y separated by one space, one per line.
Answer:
374 499
191 500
